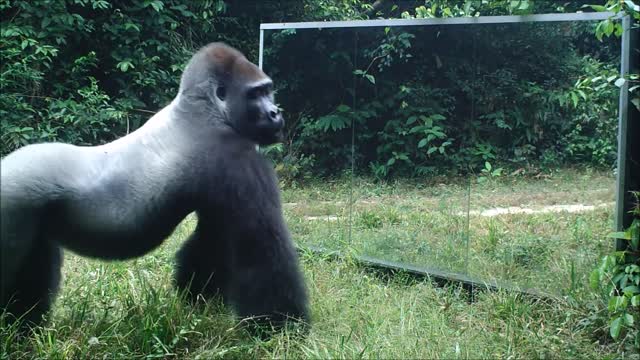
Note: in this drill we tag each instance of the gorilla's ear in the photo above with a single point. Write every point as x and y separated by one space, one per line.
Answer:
221 92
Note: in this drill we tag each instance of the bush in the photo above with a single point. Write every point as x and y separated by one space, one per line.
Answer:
617 281
89 71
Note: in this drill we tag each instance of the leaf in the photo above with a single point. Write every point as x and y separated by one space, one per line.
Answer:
467 6
391 161
124 66
371 78
635 300
422 143
615 327
609 27
432 150
598 8
632 269
129 26
636 103
415 129
601 86
429 122
333 122
628 319
524 5
616 279
619 30
157 5
437 133
631 290
574 98
582 94
343 108
411 120
621 235
616 303
635 7
594 279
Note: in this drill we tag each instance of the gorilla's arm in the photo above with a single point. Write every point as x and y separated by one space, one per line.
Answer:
266 279
249 258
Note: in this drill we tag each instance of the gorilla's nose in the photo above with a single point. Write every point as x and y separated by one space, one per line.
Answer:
276 117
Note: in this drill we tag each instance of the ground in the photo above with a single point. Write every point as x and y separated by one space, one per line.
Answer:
130 310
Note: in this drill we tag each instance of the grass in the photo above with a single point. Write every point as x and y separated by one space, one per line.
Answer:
130 310
441 225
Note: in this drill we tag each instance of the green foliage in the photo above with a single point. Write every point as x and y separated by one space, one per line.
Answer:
291 166
532 96
489 173
609 27
617 280
88 71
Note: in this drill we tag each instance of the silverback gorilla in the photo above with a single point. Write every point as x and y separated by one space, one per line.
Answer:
123 199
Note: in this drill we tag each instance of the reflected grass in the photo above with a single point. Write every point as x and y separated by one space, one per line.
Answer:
437 225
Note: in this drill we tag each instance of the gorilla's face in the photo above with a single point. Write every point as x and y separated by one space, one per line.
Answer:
236 92
250 106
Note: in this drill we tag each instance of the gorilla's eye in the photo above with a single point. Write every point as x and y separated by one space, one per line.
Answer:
253 93
221 92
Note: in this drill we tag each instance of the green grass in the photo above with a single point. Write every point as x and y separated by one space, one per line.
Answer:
130 310
435 224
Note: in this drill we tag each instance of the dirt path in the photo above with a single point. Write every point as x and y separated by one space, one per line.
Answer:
571 208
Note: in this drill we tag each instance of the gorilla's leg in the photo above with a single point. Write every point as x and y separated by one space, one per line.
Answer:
36 284
201 265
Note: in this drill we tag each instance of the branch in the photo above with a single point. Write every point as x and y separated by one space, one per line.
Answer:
373 61
144 111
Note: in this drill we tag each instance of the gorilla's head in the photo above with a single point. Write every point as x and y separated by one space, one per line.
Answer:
235 91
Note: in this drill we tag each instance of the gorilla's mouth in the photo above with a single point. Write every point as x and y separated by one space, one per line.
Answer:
270 137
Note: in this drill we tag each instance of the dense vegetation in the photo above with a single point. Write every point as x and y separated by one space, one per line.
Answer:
89 71
424 99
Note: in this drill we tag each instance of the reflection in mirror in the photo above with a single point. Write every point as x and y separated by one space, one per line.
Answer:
312 70
484 149
411 194
545 125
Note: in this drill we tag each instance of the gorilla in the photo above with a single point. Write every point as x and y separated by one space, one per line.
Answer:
121 200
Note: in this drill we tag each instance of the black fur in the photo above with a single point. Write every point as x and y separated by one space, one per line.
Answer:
36 284
123 199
